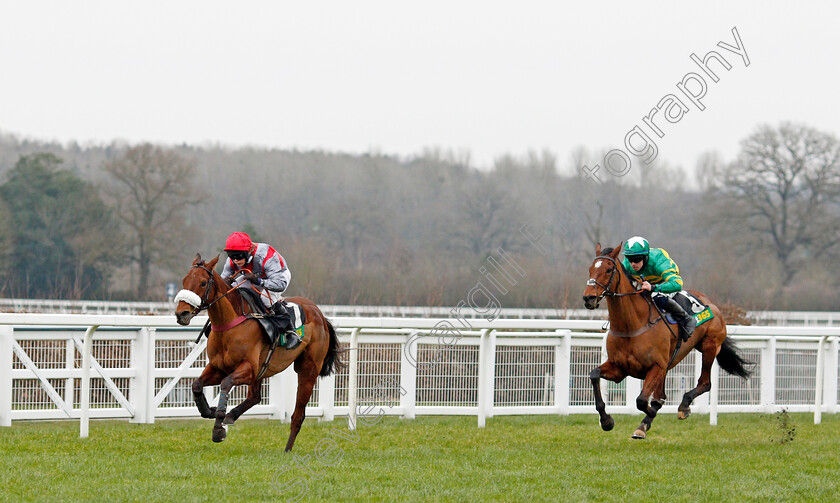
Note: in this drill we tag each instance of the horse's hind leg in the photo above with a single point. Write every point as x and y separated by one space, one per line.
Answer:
307 373
610 372
704 384
254 397
209 377
243 374
654 386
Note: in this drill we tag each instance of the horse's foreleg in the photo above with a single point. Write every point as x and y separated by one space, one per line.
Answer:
209 377
307 375
243 374
254 397
654 386
704 384
610 372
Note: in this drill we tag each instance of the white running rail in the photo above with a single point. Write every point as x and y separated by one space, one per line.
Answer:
780 318
140 367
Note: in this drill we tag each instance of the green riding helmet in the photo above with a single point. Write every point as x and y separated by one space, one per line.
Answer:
637 245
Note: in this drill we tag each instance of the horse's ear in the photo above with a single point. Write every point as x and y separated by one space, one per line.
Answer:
212 264
597 249
197 259
617 250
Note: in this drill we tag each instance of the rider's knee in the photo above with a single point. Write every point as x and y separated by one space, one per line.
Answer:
661 301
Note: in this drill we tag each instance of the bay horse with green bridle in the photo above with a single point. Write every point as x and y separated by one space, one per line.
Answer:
237 348
640 344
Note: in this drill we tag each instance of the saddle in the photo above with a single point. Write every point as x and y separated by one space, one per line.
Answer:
275 324
693 306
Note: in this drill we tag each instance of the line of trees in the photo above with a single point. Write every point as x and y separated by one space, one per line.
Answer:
65 237
120 221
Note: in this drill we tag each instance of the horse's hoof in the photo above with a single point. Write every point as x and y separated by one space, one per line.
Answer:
683 414
639 434
219 434
607 423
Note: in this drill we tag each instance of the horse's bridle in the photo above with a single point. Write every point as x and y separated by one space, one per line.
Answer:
606 292
204 305
210 282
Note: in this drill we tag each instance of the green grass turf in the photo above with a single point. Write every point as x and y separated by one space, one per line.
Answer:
524 458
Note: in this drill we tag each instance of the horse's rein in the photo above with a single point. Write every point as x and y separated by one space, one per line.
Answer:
204 296
609 293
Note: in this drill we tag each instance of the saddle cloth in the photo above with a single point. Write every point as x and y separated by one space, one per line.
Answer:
692 305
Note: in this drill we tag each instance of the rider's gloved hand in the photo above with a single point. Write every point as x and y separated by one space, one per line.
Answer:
252 278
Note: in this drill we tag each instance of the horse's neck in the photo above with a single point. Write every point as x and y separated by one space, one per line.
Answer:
222 311
628 312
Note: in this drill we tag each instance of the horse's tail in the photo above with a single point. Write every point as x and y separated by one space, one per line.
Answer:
332 362
730 360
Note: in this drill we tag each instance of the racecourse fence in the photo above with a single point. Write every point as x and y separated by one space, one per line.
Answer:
141 368
772 318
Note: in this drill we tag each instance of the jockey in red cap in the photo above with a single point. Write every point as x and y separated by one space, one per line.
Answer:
265 269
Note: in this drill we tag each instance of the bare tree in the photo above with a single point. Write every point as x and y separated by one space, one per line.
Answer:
152 188
595 231
486 217
660 175
784 188
708 169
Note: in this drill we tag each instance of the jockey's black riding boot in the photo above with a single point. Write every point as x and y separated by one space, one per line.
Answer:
293 340
686 321
290 338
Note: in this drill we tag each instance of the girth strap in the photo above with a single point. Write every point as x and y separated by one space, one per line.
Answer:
228 326
634 333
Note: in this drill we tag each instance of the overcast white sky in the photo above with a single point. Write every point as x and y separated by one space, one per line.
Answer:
486 77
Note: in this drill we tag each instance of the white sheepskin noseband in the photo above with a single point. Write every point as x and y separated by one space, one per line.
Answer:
189 297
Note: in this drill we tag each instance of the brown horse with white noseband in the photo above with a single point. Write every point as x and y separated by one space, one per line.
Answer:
237 348
640 344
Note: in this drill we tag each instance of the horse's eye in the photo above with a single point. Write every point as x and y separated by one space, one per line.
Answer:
609 271
203 283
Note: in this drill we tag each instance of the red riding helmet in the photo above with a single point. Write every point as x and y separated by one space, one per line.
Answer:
238 241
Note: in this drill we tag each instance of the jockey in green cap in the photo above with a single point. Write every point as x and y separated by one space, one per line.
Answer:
657 273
